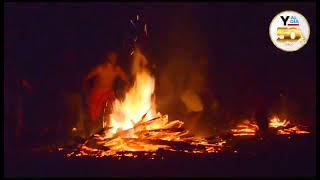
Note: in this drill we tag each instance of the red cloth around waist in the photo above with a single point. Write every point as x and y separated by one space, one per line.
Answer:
98 100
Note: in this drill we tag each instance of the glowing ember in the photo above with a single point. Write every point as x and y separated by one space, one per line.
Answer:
275 122
285 127
145 29
245 128
292 130
171 137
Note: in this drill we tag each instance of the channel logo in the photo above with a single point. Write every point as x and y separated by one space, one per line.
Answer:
289 31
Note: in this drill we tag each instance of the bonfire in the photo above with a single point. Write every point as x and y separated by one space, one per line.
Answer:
135 126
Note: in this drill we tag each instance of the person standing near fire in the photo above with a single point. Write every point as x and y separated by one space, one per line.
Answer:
102 93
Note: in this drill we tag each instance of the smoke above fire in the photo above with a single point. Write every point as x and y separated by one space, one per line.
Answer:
183 76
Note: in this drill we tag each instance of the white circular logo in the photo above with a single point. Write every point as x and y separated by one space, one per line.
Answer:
289 31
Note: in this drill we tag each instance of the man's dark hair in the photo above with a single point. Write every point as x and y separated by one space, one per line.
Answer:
105 56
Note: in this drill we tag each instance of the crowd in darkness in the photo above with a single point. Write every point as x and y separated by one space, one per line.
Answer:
50 48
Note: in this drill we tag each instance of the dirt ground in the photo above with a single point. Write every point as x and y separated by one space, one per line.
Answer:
276 156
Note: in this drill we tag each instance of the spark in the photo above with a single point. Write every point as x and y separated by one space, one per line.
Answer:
137 17
145 29
132 23
104 124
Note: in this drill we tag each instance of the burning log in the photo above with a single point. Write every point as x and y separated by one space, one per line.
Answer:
293 130
171 137
286 127
282 127
245 128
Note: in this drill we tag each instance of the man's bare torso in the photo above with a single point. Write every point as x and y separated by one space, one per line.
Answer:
106 75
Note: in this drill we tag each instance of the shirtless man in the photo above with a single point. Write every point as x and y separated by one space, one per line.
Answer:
102 91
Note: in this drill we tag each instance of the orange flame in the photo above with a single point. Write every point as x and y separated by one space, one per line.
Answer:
137 106
283 126
275 122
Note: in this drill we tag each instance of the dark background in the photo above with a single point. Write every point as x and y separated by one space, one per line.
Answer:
54 45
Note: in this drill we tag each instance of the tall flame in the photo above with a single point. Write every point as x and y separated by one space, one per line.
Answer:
139 103
137 106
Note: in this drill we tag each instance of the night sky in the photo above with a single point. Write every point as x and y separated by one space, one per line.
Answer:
39 37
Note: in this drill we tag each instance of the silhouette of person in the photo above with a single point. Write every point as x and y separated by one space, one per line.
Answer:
102 92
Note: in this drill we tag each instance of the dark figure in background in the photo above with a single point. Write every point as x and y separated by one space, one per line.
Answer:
71 123
197 97
18 93
12 108
261 114
264 95
102 92
264 102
